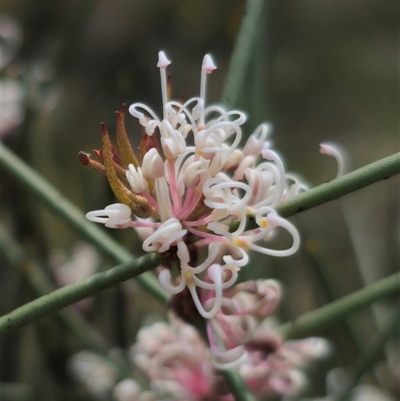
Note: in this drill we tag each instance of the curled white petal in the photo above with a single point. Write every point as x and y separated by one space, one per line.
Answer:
196 174
215 274
230 260
335 151
270 155
164 236
183 255
134 110
165 281
228 359
256 142
274 221
172 141
225 284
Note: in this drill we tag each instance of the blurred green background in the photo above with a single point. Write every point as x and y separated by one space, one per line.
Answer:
320 71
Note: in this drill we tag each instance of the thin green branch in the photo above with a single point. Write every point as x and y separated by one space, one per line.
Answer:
74 217
351 182
242 51
75 292
337 310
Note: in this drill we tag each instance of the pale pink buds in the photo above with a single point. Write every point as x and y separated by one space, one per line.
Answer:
136 180
153 165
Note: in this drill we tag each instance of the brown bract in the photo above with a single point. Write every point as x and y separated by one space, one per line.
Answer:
115 164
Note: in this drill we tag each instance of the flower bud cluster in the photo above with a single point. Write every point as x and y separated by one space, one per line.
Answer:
178 364
193 184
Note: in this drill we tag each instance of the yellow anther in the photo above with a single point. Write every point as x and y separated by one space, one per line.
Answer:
240 242
263 223
233 269
250 211
188 276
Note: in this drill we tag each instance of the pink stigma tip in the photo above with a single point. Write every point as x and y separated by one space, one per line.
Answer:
208 64
163 62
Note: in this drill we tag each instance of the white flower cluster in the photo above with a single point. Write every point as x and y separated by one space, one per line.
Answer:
200 187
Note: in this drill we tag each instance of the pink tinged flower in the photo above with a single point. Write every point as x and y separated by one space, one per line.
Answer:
193 193
256 298
175 360
234 325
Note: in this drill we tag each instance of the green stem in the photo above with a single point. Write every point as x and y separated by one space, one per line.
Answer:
342 307
357 179
75 292
74 217
242 51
